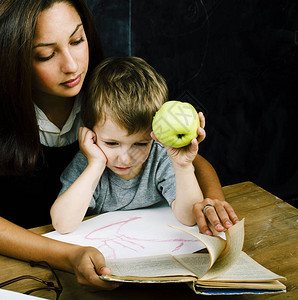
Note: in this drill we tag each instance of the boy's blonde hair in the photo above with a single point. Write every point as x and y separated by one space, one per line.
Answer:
126 89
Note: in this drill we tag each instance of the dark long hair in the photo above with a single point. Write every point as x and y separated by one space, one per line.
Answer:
20 147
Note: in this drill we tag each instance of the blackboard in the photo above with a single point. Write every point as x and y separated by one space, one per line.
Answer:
235 60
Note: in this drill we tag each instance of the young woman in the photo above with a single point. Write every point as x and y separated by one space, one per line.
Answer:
46 49
44 61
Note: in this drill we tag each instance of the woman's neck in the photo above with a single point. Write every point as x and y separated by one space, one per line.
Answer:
57 109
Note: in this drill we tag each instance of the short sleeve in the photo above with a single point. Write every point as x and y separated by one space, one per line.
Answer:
73 171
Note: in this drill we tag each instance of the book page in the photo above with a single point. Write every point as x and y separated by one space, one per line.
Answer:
268 285
231 253
198 263
214 244
247 269
154 266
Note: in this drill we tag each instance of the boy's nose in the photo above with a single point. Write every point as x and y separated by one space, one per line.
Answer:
125 157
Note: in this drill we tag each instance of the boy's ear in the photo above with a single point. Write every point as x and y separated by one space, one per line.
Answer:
154 137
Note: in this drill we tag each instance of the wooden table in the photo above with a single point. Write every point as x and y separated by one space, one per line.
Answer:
270 238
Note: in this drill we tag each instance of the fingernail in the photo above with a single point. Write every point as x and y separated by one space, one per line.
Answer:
218 227
208 232
105 271
228 224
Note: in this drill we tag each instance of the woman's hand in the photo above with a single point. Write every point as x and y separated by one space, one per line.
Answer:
88 264
214 216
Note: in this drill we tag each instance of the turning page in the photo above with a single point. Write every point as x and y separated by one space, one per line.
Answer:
231 252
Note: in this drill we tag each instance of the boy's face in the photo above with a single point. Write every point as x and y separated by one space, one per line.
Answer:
125 153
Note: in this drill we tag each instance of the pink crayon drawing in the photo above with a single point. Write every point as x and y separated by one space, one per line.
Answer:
112 238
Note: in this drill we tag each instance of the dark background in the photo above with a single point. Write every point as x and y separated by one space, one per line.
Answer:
236 61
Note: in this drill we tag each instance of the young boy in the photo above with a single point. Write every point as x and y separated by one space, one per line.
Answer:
120 166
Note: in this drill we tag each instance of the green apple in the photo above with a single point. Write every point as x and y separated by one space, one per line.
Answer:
175 124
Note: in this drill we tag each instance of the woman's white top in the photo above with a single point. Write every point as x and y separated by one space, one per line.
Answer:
51 136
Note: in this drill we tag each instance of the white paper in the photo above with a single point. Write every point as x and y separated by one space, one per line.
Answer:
10 295
134 233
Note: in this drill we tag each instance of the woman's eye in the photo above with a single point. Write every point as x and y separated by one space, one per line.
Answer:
78 41
45 58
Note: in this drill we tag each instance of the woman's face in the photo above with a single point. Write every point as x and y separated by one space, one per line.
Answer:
60 52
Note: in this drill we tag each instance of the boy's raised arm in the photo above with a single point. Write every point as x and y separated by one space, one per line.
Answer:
188 191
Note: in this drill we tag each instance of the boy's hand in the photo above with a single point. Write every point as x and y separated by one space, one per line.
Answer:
186 155
183 156
88 146
201 129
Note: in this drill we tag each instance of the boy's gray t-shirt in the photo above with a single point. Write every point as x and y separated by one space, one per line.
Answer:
154 184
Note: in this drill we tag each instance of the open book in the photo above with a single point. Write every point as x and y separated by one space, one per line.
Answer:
224 269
